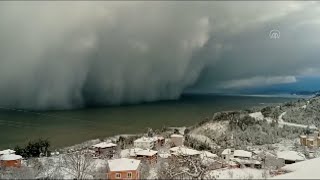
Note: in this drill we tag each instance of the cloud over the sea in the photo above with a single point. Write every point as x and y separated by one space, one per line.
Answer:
58 55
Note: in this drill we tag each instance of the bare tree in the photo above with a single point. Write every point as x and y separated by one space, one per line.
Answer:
100 173
78 164
144 170
185 167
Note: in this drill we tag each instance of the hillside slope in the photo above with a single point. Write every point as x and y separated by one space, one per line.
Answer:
257 126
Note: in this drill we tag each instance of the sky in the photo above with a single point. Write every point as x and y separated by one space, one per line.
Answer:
62 55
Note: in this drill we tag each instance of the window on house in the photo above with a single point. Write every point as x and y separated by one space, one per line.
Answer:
118 175
130 175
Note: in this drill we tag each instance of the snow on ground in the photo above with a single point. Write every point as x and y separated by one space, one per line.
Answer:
302 170
217 126
153 174
240 173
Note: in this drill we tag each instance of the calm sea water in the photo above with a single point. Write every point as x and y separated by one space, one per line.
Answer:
70 127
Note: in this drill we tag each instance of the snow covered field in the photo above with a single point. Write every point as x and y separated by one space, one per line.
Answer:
308 169
240 173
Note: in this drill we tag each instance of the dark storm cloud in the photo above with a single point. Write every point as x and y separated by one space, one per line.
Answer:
58 55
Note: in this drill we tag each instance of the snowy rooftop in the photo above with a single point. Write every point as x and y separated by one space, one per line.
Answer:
242 153
130 152
146 152
226 152
104 145
123 164
176 135
9 157
145 139
184 151
7 151
308 169
291 156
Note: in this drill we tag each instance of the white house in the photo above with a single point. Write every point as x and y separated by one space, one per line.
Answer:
144 143
226 154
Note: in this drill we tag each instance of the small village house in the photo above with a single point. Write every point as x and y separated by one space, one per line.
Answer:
144 143
148 155
303 140
123 168
10 160
290 157
104 149
226 154
177 139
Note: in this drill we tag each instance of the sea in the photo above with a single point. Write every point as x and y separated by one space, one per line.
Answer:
69 127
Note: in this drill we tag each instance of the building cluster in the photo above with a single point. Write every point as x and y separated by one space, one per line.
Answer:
127 163
311 141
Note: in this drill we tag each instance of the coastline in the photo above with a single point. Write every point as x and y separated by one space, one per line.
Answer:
181 129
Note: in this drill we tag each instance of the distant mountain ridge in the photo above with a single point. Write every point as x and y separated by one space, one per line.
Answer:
311 93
